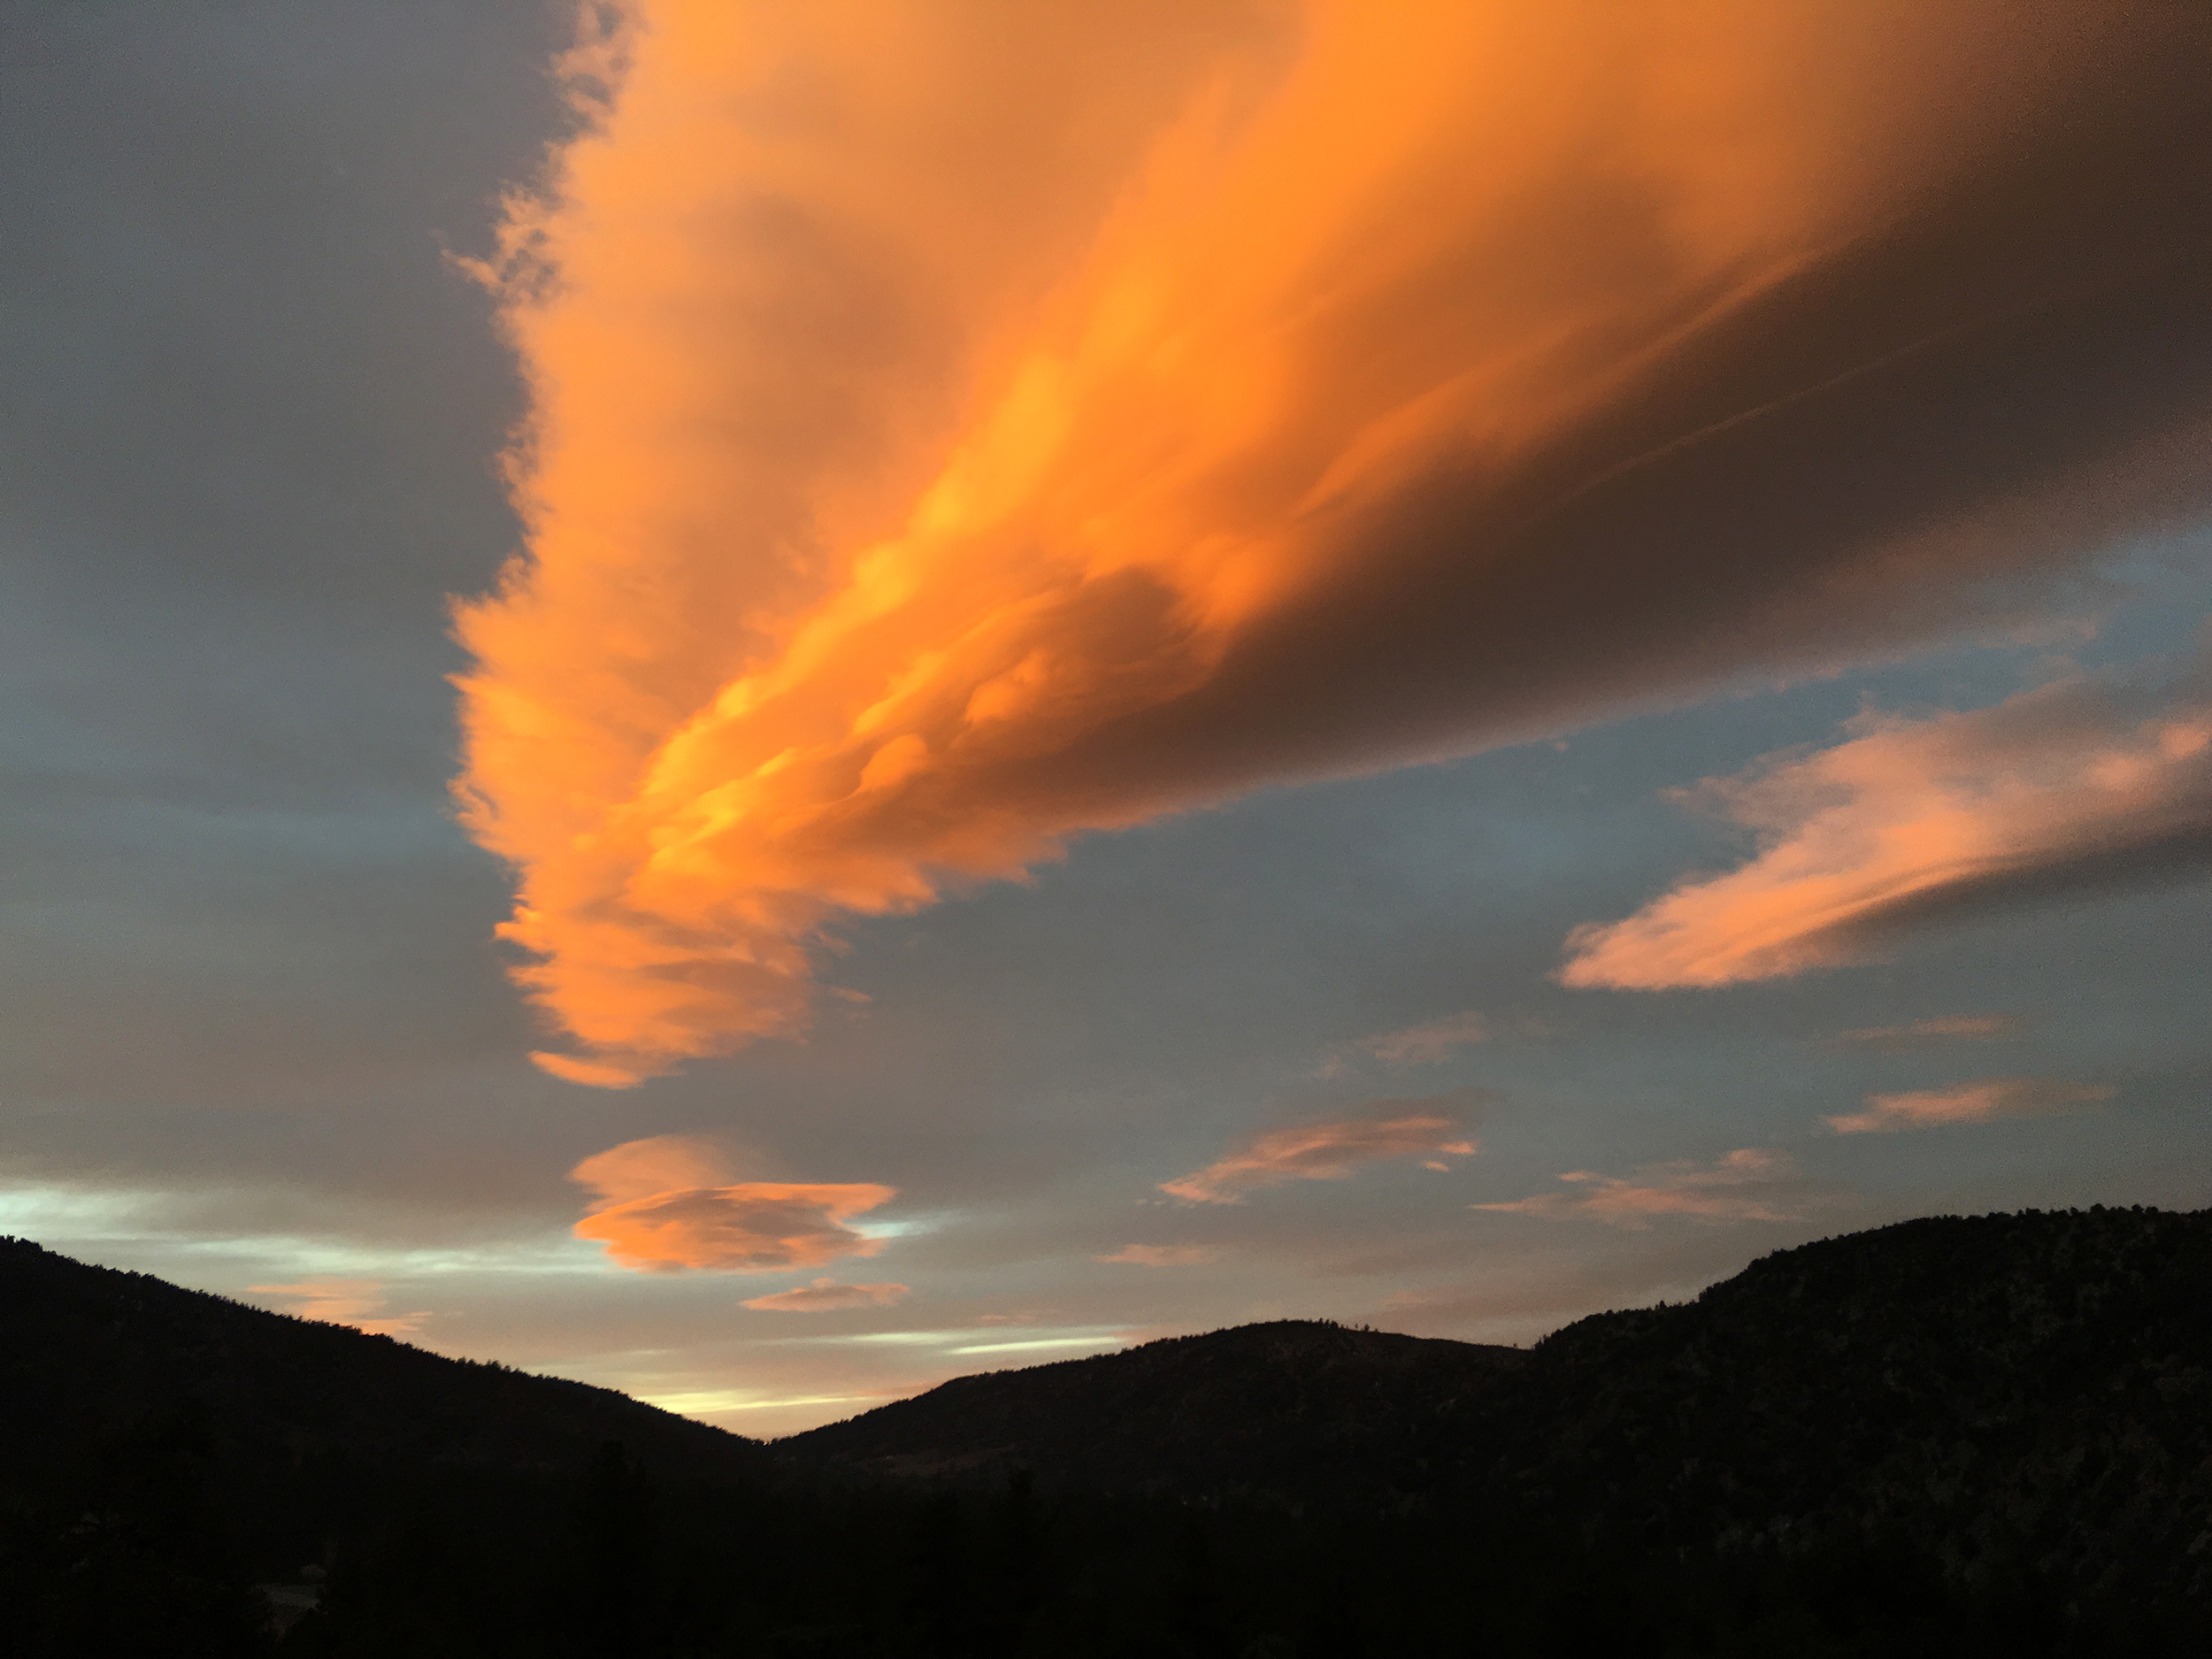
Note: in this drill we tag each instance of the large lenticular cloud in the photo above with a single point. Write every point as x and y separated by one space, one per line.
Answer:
956 428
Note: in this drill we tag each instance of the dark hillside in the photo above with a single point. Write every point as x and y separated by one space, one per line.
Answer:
2016 1393
297 1414
1291 1405
1965 1438
2009 1397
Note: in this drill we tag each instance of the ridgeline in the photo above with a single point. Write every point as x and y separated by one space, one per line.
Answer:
1957 1436
2009 1395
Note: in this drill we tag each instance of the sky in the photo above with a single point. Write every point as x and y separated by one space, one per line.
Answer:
763 704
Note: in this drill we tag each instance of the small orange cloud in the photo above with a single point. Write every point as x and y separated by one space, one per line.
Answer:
1982 1102
1911 819
826 1295
752 1227
659 1163
1324 1152
1160 1255
664 1204
1749 1183
590 1073
344 1301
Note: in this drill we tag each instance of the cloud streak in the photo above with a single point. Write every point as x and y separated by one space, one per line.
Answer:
1430 1044
2067 787
946 439
1749 1183
1329 1151
344 1301
664 1205
826 1295
1925 1033
1985 1102
1161 1255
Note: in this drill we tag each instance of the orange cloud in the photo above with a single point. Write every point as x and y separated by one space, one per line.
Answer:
639 1169
1324 1152
2065 787
1982 1102
344 1301
664 1205
1160 1255
1749 1183
826 1295
951 431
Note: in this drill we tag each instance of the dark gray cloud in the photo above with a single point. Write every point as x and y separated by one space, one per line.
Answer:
247 413
238 366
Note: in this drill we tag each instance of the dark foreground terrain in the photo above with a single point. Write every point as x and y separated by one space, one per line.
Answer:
1955 1436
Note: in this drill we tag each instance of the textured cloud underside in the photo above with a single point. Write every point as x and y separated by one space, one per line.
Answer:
947 440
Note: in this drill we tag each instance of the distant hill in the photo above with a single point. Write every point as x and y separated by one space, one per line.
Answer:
2027 1394
163 1451
1292 1406
296 1410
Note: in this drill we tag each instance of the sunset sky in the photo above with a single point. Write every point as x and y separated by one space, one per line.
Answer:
766 702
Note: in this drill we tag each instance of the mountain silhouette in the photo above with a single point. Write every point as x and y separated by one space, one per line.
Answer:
2027 1393
1951 1436
92 1351
162 1450
1289 1409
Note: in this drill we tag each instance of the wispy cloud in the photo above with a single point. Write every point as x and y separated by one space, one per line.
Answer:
1928 1033
1749 1183
1429 1044
2065 787
1984 1102
699 1221
353 1301
1039 1344
1161 1255
707 1401
1332 1151
826 1295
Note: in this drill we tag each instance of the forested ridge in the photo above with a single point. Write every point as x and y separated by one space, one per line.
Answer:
1955 1435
